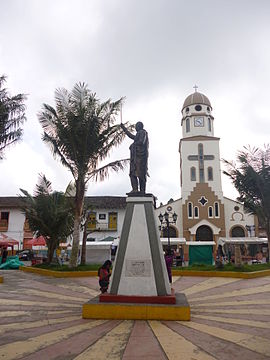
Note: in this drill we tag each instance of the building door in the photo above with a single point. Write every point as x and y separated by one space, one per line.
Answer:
202 254
204 233
112 221
92 221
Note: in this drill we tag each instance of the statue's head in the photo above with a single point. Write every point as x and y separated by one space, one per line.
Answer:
139 126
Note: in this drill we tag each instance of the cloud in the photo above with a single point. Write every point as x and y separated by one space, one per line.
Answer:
151 52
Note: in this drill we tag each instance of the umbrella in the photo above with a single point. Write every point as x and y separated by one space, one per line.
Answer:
39 241
7 241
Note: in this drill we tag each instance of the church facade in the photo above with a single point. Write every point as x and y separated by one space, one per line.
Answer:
204 214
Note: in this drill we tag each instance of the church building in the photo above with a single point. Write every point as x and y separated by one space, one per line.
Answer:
204 214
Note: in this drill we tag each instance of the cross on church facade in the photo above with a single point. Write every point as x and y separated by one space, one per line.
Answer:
195 87
200 158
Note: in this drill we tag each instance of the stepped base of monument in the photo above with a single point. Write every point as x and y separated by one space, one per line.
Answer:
167 299
94 309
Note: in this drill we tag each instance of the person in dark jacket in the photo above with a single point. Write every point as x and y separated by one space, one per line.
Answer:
169 262
104 276
4 255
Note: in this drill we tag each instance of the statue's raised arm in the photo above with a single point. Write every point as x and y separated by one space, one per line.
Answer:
138 157
129 134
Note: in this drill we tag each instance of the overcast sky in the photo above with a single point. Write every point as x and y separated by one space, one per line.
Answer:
150 51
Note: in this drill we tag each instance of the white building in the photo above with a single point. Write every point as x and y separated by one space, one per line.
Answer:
105 215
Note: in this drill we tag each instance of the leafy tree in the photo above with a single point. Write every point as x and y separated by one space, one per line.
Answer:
81 131
12 116
251 177
49 213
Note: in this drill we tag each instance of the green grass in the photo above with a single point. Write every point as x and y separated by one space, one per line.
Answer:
55 267
197 267
227 267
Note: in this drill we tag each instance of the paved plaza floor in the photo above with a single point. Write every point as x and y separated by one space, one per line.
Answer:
40 318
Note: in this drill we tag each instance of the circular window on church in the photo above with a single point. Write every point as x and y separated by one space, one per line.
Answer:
187 110
236 208
208 108
198 108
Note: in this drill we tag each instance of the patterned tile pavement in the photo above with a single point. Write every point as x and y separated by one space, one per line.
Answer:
40 318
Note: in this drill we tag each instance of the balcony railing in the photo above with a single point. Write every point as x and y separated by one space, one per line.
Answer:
101 226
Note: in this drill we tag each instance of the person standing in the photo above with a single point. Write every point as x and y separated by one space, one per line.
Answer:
138 157
169 262
104 276
4 255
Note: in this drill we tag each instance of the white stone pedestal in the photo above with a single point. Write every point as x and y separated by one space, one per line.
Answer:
139 268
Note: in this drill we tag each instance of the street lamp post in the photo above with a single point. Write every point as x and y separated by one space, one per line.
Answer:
167 218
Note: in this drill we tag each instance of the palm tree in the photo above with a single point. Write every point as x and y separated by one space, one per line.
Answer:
251 177
81 131
12 116
49 213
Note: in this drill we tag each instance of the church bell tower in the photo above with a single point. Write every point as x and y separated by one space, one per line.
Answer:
202 196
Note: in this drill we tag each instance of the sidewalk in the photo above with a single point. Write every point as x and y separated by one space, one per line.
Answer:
40 318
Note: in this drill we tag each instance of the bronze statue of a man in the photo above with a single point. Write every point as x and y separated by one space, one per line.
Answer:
138 157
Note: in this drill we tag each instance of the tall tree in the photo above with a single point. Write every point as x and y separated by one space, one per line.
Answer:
251 177
81 131
49 213
12 115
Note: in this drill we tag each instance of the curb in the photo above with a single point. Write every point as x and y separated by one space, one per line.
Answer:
229 274
75 274
58 274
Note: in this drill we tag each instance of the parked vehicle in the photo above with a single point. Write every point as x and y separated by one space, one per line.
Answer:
26 254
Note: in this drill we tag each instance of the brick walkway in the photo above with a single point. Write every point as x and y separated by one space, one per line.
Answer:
40 318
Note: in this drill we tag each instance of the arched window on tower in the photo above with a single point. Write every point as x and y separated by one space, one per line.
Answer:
210 173
187 125
209 125
196 212
210 212
216 205
193 173
190 210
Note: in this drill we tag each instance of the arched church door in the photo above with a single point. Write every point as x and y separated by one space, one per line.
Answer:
238 231
204 233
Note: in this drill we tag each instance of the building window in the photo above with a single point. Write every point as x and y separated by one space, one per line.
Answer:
112 221
190 210
196 212
238 231
210 173
216 205
210 212
187 110
209 125
193 173
4 217
92 221
26 226
172 232
187 125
